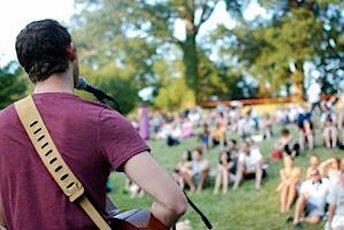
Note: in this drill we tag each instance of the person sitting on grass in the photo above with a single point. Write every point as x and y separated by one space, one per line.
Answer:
330 168
312 200
285 145
330 133
340 111
265 125
249 165
218 136
314 163
204 137
290 179
336 204
246 126
196 171
223 172
233 151
179 171
232 147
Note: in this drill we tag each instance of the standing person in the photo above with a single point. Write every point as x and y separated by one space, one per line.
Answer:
143 122
91 138
314 96
306 129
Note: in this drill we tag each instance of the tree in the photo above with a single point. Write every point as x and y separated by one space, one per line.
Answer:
13 85
133 32
295 32
115 83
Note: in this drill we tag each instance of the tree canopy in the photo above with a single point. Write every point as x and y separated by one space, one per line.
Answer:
139 33
274 49
189 51
13 84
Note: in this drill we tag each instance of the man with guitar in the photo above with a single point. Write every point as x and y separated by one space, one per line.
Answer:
91 138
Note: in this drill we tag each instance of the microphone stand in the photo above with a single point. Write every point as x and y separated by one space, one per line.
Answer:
101 98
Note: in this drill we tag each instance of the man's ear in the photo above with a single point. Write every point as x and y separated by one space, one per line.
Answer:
71 52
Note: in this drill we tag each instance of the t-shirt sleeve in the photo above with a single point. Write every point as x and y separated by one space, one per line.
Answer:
332 196
118 139
304 187
257 155
242 158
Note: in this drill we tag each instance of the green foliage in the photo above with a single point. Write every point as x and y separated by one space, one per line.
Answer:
135 35
171 89
132 32
13 85
298 31
174 95
116 83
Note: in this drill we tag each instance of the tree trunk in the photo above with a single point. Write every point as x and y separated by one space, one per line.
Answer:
190 61
297 92
297 86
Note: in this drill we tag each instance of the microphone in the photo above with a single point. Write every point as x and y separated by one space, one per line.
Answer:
98 93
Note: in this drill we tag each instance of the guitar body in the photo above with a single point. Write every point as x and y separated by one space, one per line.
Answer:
136 219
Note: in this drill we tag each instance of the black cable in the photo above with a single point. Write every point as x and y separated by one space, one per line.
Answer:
204 218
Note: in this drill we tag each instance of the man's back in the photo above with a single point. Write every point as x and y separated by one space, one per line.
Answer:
91 138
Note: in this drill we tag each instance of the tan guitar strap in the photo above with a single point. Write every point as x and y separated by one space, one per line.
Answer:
50 156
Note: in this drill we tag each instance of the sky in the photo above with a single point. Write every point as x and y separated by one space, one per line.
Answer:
15 14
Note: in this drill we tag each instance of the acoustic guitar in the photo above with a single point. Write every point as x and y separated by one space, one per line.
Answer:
133 219
141 219
136 219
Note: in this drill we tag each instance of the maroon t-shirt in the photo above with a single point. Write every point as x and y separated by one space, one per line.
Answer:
91 138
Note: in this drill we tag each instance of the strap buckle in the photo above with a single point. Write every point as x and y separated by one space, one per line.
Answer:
75 191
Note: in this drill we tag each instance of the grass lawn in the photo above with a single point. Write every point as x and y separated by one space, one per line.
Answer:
244 208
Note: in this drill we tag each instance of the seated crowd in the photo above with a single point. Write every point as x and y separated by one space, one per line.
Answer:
234 165
320 194
309 193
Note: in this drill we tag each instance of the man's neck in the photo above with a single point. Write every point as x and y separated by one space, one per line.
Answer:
55 83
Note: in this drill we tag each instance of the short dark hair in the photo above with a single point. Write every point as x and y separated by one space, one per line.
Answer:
42 49
285 132
233 141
